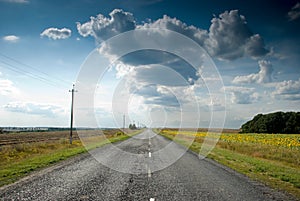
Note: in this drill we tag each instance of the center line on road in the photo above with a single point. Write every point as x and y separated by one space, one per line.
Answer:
149 154
152 199
149 173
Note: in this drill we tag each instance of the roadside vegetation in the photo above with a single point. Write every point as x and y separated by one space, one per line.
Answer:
36 150
273 159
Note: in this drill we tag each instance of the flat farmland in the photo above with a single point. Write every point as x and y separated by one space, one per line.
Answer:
28 137
22 153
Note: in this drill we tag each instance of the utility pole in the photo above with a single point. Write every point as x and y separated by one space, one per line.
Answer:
71 126
124 123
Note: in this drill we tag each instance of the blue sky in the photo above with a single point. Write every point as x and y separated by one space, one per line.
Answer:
44 44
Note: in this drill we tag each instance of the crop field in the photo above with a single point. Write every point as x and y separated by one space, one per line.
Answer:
22 153
273 159
28 137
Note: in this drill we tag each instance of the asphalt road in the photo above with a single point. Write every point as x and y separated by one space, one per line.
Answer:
146 175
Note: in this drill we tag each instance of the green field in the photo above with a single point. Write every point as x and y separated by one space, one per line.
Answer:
273 159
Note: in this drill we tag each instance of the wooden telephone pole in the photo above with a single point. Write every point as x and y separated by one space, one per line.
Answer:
71 126
124 123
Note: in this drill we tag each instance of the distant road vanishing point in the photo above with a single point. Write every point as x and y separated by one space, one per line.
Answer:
188 178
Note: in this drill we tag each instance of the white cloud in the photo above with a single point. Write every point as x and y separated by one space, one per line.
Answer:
294 13
122 69
158 85
15 1
7 88
263 76
230 37
212 106
102 28
243 95
55 33
45 110
11 38
289 90
159 74
174 24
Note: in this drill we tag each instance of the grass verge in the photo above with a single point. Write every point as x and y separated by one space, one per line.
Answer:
17 161
280 171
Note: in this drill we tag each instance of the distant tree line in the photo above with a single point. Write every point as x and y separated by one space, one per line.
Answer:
132 126
278 122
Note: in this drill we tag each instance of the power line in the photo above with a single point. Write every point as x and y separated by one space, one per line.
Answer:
33 68
44 77
23 72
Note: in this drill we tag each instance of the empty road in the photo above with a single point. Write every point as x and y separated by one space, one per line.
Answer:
139 169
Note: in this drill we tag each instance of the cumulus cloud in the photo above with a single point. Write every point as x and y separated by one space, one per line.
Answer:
146 72
122 69
255 46
45 110
294 13
150 61
166 96
166 100
148 67
152 66
263 76
11 38
163 75
174 24
55 33
159 85
102 28
230 37
289 90
243 95
227 35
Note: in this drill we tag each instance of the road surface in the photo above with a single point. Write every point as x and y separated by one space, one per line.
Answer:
188 178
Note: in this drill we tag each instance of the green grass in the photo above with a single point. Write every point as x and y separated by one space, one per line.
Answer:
17 161
279 171
272 173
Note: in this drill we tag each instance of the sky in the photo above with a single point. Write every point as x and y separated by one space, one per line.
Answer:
248 61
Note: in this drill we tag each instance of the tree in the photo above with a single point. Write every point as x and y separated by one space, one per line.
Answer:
278 122
132 126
